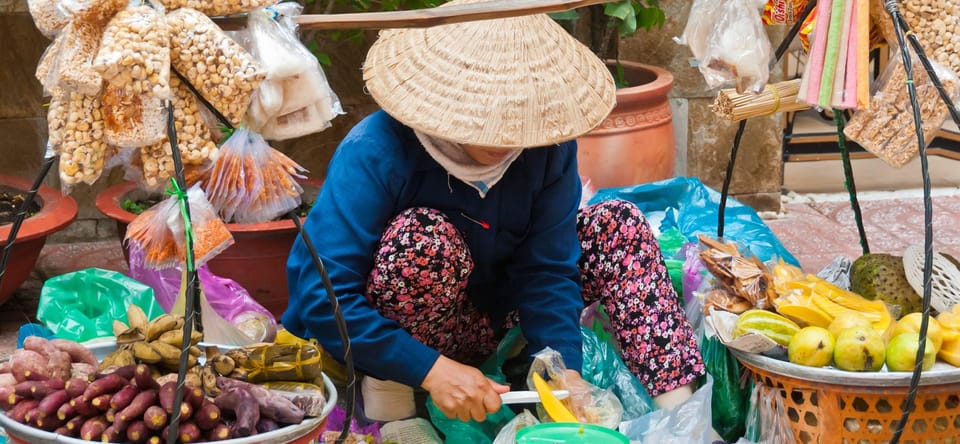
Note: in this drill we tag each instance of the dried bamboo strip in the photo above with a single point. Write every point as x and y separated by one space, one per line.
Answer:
775 98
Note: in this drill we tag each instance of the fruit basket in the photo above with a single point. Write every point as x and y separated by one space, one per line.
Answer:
830 405
305 432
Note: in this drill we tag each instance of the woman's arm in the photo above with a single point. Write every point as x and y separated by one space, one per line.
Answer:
543 275
347 220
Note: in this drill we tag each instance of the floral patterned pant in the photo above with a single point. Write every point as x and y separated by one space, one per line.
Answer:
420 277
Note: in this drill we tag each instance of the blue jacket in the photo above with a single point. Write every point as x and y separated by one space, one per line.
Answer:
526 260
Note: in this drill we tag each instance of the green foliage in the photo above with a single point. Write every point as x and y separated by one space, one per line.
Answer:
134 207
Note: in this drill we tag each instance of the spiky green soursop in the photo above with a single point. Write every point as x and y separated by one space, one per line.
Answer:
881 277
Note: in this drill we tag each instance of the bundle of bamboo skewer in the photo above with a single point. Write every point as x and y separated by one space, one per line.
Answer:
776 97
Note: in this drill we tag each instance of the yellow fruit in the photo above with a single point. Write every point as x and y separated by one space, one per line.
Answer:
811 346
807 315
911 324
848 319
557 411
902 353
859 349
766 323
950 352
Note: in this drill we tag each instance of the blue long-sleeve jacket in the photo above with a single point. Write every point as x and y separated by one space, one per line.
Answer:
526 260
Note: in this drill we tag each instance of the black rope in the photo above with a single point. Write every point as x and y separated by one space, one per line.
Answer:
908 404
22 212
192 310
931 72
742 126
848 182
341 327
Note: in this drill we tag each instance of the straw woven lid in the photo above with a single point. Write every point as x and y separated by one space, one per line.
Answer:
512 83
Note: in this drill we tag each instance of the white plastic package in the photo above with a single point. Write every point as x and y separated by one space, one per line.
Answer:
687 423
739 51
700 24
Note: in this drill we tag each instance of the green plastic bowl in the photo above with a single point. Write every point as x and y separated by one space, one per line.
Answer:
569 433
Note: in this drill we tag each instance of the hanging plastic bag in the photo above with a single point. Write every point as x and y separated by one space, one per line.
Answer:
134 53
508 434
47 16
149 233
687 423
215 8
739 51
589 403
82 305
226 297
700 25
729 400
92 11
295 99
250 182
74 66
82 155
887 128
228 82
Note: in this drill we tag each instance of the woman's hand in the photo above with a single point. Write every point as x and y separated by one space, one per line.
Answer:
461 391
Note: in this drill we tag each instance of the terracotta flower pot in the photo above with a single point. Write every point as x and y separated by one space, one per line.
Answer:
56 212
635 143
258 258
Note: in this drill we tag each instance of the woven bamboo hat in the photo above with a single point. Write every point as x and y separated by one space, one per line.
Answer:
512 83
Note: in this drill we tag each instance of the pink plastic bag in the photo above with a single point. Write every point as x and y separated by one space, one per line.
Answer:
230 300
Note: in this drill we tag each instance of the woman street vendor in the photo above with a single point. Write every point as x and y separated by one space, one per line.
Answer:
452 215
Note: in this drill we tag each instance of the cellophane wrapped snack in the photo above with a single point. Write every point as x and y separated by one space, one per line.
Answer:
210 234
92 11
589 403
193 140
250 182
159 232
300 362
738 275
887 129
79 128
295 99
134 53
218 7
132 119
47 66
47 16
74 65
218 67
739 51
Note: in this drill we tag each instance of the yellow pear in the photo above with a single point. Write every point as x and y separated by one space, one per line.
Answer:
902 353
910 323
811 346
859 349
848 319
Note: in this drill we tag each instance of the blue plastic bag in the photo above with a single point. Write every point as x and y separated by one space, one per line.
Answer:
693 208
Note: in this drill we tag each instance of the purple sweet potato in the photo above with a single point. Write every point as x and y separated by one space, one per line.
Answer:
76 386
155 418
49 423
83 371
83 407
62 431
244 407
138 406
189 432
168 393
51 403
93 428
19 411
219 433
74 424
39 344
137 432
38 389
77 352
28 365
267 425
122 398
7 379
208 416
31 417
66 411
272 405
9 397
59 365
124 371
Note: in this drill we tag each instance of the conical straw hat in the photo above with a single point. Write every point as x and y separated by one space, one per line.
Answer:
513 83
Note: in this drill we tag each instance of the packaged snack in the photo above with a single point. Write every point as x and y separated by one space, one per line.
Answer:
937 25
783 12
92 11
74 66
134 54
149 233
215 8
47 16
219 68
210 234
739 51
132 119
887 129
83 150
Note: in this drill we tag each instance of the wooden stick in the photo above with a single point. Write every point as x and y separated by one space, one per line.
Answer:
422 18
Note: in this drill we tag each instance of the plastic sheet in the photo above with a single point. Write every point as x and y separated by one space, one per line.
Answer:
688 204
82 305
767 421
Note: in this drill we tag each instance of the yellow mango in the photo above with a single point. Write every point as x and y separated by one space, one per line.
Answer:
805 314
911 324
950 352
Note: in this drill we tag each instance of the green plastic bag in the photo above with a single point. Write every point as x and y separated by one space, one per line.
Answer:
731 402
670 242
82 305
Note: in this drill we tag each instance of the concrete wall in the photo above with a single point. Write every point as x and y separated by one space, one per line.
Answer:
703 140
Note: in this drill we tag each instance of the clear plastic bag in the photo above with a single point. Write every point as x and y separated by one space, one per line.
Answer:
215 8
250 182
47 16
508 434
149 233
92 11
210 234
134 54
589 403
296 98
74 65
219 68
687 423
82 153
132 119
738 52
887 129
700 25
47 67
767 421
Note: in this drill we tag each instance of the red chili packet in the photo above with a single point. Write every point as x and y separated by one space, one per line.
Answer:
782 12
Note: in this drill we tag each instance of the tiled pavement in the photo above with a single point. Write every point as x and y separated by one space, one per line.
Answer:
814 227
